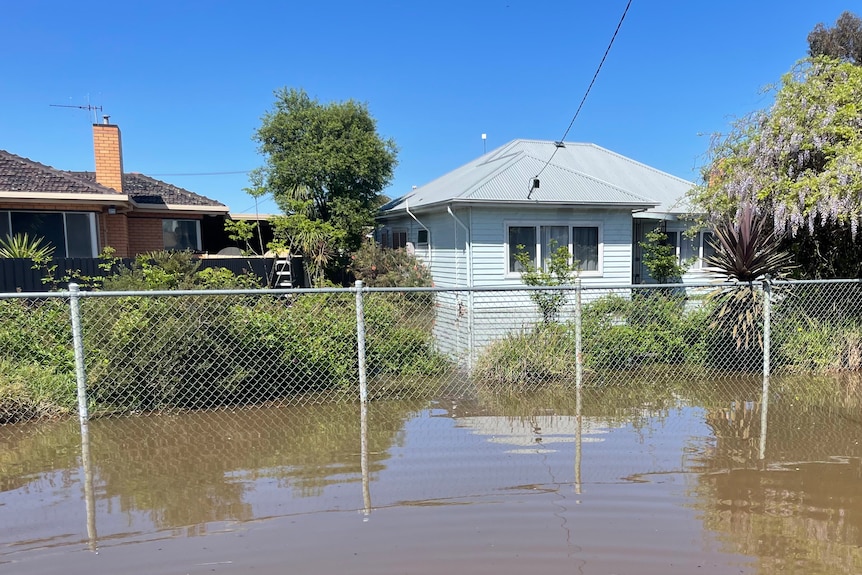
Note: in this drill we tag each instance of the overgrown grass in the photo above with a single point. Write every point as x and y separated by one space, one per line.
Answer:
29 391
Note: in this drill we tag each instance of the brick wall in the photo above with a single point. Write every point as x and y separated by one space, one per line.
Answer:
145 235
114 232
108 151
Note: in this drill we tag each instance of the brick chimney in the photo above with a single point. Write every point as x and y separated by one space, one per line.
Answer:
109 154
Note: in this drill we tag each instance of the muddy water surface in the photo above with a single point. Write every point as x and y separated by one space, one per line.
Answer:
631 484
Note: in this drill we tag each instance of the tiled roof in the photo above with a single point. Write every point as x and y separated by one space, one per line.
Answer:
150 191
578 174
23 175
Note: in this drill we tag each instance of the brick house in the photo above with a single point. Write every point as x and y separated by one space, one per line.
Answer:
80 213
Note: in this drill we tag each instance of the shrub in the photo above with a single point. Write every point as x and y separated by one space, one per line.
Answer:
806 343
385 267
29 390
519 361
163 270
203 351
648 328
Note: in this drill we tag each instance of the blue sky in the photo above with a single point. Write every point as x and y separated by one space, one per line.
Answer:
188 81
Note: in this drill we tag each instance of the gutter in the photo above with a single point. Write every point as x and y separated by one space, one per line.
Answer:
430 248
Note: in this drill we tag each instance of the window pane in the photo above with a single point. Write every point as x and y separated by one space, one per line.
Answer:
422 237
399 239
180 234
585 248
688 247
46 225
521 239
79 236
553 238
4 225
708 249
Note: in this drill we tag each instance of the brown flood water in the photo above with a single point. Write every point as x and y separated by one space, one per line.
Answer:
636 484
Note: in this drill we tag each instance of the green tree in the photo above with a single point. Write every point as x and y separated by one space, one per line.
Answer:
556 271
660 259
843 41
326 167
799 163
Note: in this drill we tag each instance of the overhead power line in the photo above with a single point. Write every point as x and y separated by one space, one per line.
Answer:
587 93
204 173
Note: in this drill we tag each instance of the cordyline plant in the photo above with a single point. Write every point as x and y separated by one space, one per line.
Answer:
746 249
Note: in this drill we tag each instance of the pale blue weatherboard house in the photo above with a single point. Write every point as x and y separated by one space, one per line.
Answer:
467 224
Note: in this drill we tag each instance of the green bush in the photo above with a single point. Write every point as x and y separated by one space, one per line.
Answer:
650 328
521 360
29 390
385 267
806 343
189 352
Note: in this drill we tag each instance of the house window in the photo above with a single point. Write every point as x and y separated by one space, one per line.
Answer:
521 239
422 239
72 234
399 239
585 248
541 241
706 247
180 235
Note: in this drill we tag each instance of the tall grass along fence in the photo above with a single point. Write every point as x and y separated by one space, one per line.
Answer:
99 354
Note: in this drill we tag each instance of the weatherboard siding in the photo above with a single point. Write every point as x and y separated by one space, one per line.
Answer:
448 258
489 237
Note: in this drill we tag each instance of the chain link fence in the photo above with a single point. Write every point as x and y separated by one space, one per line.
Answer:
155 351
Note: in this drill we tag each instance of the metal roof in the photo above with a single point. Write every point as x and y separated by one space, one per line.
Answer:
579 174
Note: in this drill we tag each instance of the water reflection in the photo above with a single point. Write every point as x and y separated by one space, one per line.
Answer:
681 453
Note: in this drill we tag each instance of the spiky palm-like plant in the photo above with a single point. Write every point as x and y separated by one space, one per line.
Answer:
22 246
745 250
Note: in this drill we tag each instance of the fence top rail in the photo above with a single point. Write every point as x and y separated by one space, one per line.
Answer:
365 289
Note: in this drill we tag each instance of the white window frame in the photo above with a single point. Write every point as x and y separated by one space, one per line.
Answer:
598 272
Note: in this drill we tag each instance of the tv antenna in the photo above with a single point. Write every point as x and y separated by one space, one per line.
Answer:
88 107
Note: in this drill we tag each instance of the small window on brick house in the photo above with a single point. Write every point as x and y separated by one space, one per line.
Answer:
180 235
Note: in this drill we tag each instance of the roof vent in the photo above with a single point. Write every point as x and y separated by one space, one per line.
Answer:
560 144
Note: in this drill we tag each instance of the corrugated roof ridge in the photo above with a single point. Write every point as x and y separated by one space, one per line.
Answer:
483 159
58 173
631 161
595 179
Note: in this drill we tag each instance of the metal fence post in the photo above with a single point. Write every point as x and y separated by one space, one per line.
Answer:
78 344
767 327
579 364
767 344
360 342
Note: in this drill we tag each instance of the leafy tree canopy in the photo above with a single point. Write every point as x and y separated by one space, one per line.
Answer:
843 42
324 163
798 163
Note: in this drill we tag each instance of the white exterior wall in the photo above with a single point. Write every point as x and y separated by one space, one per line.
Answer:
465 323
490 237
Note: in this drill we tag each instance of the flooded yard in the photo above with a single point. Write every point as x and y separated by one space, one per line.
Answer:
614 482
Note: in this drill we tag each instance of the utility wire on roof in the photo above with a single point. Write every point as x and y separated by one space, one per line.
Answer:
584 99
203 173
